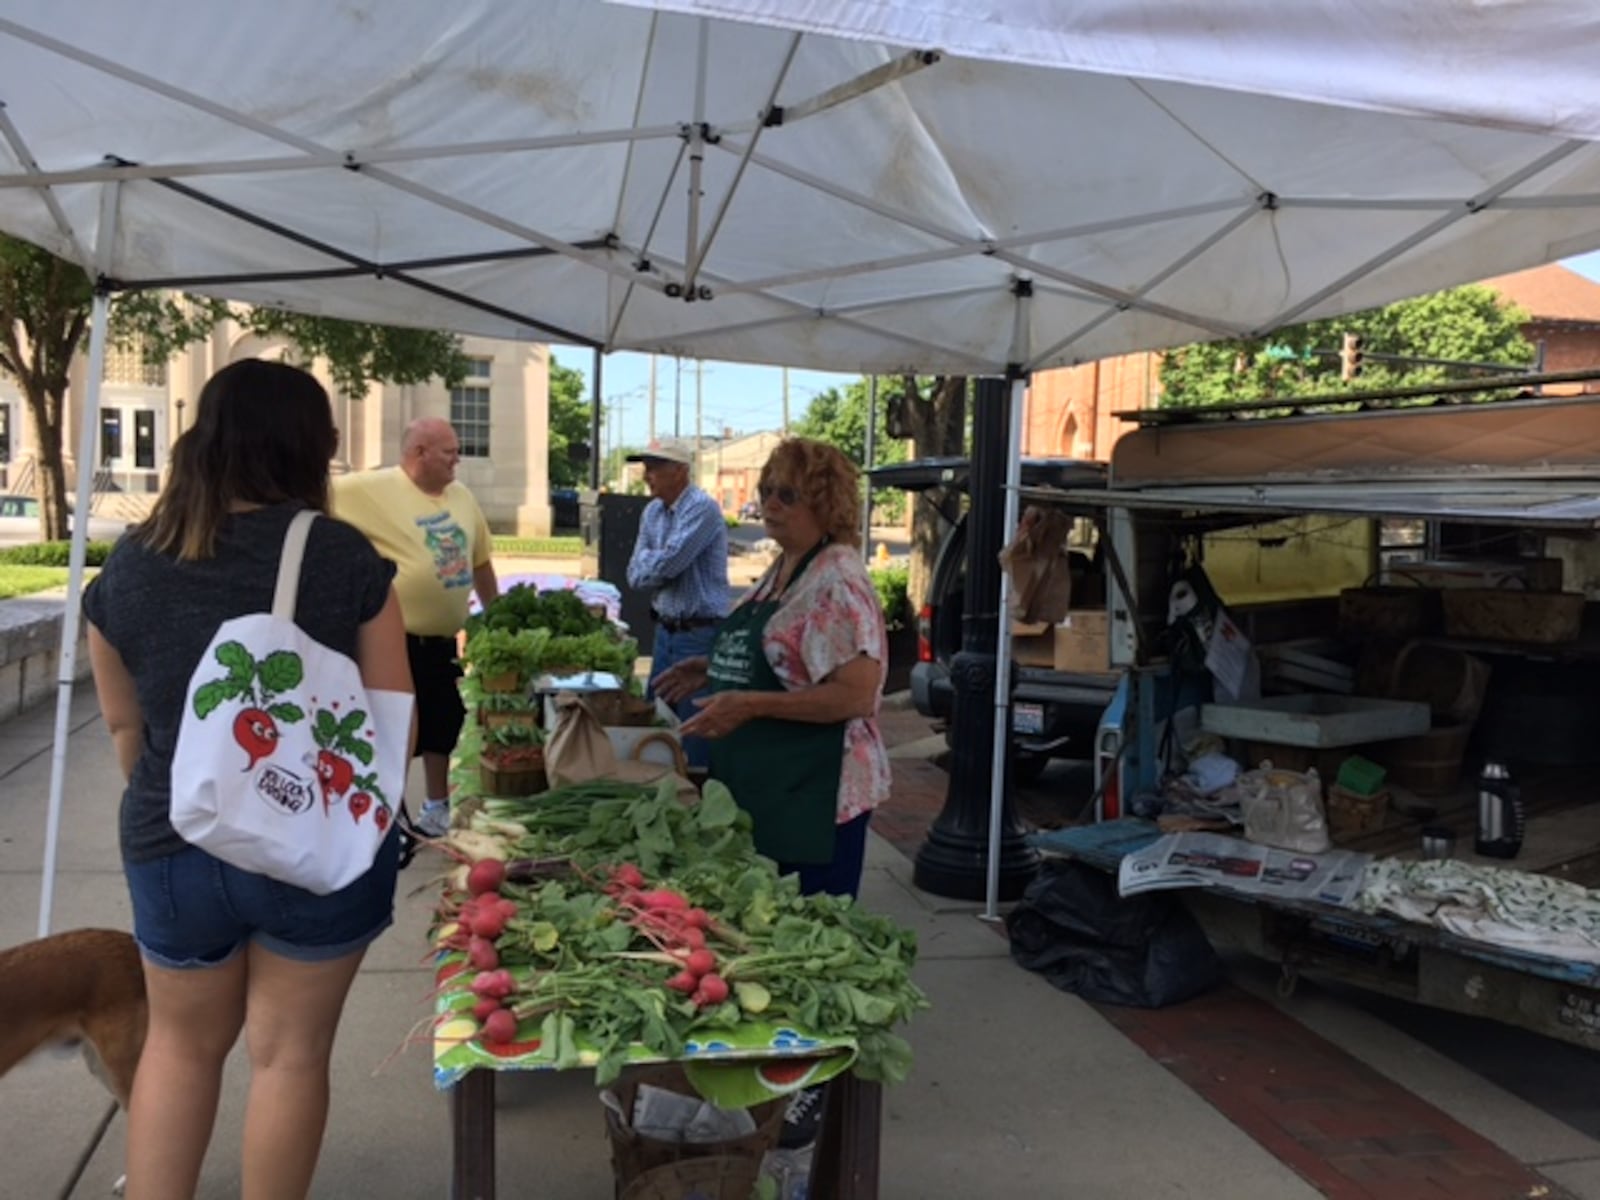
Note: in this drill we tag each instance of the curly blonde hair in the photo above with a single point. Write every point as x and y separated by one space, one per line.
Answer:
828 483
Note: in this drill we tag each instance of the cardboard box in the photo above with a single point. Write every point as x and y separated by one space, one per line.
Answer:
1082 642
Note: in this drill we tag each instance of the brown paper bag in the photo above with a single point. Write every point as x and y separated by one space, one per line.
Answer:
1040 569
578 750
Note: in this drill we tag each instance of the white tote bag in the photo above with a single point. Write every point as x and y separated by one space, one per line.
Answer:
287 765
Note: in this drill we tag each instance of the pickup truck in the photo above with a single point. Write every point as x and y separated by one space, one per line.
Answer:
1054 714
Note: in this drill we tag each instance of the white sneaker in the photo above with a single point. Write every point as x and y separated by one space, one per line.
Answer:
434 819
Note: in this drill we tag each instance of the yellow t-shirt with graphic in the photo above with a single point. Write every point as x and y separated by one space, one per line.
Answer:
435 541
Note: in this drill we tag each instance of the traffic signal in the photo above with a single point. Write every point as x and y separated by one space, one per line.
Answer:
1350 356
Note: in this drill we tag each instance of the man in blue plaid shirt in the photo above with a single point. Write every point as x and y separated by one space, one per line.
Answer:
681 557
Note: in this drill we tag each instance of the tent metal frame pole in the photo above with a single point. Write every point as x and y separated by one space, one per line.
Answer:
1022 289
642 255
623 188
596 439
871 458
1483 200
696 139
1022 263
984 246
33 177
1167 272
700 251
67 657
1002 665
124 172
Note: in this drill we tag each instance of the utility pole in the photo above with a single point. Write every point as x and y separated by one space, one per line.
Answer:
786 402
650 430
677 398
699 413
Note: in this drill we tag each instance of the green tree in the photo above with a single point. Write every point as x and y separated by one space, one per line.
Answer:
840 418
44 316
569 427
1465 324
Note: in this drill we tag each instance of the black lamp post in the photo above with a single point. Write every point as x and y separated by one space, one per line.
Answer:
954 860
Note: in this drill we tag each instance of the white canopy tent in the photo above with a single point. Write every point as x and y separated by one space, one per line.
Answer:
1051 183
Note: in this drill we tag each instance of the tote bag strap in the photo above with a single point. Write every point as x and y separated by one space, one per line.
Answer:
294 550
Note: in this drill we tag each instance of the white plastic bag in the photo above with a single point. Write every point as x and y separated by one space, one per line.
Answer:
1283 809
286 765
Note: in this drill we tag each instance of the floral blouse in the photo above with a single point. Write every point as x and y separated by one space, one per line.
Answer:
826 618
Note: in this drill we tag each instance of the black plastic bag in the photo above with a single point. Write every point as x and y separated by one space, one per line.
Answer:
1145 951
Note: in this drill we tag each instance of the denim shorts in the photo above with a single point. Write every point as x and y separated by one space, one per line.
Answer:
193 910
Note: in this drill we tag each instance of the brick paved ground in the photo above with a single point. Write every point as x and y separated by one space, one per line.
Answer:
1347 1130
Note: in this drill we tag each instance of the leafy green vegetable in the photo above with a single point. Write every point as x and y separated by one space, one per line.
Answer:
819 963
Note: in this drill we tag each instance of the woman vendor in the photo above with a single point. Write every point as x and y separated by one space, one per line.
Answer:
796 675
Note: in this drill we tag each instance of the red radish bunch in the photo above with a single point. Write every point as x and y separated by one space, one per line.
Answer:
482 919
493 985
486 875
675 927
486 915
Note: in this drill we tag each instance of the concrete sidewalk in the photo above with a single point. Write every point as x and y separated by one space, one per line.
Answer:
1019 1090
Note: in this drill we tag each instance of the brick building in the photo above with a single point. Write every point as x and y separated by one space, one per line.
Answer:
1069 411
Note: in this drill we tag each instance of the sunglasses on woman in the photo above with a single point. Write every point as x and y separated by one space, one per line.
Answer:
784 495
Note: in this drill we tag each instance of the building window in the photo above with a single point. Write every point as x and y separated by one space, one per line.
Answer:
126 365
469 409
5 432
144 439
110 436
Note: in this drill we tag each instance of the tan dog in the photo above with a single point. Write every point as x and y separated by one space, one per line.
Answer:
86 986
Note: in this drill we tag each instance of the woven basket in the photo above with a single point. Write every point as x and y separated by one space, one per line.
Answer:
505 681
1400 611
1504 615
1349 813
517 781
680 762
643 1161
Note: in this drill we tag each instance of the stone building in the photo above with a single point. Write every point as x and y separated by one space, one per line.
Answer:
500 411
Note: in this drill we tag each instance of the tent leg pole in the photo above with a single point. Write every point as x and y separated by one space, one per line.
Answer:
67 657
866 467
1002 673
952 860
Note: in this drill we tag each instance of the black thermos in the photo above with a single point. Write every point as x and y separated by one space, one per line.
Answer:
1501 817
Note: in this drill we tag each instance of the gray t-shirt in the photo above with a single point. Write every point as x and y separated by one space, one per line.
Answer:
160 614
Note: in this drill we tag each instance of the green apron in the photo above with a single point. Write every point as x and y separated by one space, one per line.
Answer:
785 774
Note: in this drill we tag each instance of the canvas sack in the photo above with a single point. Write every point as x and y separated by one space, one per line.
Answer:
286 764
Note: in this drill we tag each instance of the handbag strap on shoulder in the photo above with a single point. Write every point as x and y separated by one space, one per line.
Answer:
294 550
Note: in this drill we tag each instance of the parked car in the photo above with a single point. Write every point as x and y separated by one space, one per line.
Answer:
750 511
1054 714
19 522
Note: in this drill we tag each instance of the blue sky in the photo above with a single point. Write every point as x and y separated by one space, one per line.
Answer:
734 395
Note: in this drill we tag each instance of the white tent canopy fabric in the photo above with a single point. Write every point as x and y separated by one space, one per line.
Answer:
571 170
856 185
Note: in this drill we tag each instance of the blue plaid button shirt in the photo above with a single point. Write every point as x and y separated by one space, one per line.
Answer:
682 556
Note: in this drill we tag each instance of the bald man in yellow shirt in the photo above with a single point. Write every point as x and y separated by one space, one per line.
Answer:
417 515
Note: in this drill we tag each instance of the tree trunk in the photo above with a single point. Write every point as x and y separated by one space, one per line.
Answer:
50 470
937 426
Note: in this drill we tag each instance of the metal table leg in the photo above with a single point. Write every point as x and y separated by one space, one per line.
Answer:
846 1165
472 1137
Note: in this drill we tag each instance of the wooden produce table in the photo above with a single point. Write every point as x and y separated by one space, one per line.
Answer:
739 1067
